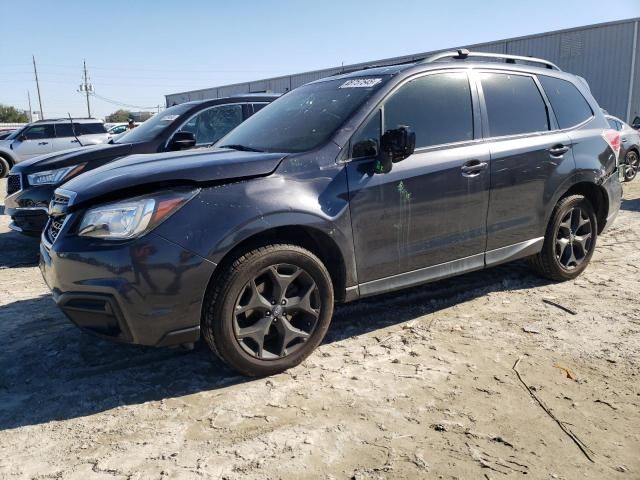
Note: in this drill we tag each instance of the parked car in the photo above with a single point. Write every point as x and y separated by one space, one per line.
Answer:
630 147
118 129
6 132
46 136
31 184
347 187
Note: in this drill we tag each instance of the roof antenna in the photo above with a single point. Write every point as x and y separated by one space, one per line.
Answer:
74 130
462 53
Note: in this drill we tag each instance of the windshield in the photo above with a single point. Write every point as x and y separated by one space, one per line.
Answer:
304 118
154 126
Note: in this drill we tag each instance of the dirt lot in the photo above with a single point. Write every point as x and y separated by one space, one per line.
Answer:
419 384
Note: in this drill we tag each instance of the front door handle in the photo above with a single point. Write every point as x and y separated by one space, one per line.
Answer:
43 143
473 168
558 150
75 141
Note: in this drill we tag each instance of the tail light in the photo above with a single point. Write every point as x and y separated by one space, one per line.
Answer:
612 137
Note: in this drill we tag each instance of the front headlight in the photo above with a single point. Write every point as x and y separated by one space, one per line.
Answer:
53 177
134 217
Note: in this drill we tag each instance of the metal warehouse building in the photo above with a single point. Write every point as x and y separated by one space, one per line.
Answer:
606 54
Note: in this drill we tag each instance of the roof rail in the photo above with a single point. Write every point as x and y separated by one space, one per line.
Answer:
62 119
463 54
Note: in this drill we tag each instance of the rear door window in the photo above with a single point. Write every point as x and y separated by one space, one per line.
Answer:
89 128
514 104
436 107
568 104
63 130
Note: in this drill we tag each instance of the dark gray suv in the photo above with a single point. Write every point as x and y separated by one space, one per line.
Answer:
349 186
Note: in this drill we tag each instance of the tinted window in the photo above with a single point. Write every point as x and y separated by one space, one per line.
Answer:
155 126
366 142
436 107
89 128
614 124
259 106
214 123
39 131
306 117
63 130
567 102
514 104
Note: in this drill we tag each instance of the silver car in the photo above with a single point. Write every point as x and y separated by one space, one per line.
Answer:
629 148
46 136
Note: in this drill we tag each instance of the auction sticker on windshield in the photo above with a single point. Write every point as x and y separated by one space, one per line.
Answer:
361 83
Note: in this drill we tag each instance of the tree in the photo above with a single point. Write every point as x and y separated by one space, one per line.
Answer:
119 116
12 115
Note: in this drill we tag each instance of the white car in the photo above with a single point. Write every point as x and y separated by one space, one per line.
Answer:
47 136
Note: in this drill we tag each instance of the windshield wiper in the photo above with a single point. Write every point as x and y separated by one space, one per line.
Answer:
242 148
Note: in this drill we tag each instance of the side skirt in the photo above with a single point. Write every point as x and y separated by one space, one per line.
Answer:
446 270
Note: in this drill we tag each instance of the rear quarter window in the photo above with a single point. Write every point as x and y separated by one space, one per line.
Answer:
568 104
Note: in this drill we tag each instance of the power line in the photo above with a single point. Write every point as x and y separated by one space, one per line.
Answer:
120 104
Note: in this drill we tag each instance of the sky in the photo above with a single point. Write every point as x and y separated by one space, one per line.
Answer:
136 52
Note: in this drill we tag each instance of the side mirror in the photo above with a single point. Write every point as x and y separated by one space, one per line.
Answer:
182 141
22 137
636 125
398 143
365 148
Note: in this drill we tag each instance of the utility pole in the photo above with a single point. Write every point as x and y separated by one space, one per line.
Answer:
30 111
35 71
86 87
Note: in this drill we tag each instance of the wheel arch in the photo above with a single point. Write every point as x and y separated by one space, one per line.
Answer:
597 196
316 240
8 158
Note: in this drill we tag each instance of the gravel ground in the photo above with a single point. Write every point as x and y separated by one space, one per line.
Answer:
426 383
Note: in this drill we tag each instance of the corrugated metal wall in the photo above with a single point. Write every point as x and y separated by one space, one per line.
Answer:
600 53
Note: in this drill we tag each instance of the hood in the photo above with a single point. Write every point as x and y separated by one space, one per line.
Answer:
140 173
72 156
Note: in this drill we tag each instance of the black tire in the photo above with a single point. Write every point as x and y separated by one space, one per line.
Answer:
631 165
5 166
245 283
555 262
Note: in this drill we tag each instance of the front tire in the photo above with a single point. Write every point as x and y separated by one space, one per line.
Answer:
4 167
268 310
631 165
569 241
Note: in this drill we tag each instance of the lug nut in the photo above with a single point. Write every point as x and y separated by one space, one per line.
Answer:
268 314
273 302
284 302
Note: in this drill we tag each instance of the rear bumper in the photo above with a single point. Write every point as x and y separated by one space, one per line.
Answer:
147 291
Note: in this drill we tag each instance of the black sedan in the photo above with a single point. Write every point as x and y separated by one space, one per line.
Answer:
31 184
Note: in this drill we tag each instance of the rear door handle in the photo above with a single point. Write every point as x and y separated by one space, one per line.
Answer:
43 143
473 168
558 150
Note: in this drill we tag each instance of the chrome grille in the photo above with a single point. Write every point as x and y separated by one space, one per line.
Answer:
54 227
14 184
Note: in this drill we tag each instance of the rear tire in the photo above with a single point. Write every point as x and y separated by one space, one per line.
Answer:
569 241
631 165
4 167
268 309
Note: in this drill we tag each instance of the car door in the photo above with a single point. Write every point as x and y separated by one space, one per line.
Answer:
213 123
64 137
35 140
431 208
530 159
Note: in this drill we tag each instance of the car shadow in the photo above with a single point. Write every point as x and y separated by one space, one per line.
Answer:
50 370
18 250
631 205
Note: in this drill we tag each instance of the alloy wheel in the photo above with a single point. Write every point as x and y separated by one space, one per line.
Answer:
632 163
276 312
574 238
